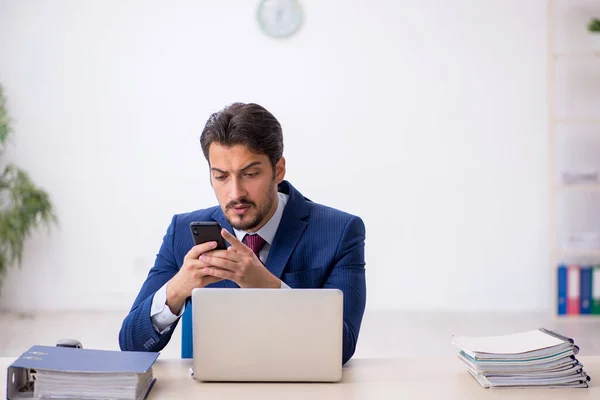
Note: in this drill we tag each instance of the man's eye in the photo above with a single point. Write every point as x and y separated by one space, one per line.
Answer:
220 177
251 174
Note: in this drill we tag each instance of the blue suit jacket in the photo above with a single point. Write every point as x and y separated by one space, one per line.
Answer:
315 247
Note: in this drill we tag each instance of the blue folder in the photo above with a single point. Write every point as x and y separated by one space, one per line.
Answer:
585 290
73 360
562 289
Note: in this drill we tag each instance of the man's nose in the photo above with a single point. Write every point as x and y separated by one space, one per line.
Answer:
237 190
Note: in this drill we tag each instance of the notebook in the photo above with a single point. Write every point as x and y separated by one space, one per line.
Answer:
534 359
550 362
69 373
523 345
574 380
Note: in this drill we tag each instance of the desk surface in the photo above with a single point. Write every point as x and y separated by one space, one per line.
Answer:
428 378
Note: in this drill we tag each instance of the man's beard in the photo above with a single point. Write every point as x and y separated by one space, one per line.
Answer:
246 224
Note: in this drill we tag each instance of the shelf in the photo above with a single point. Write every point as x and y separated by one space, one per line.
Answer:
579 253
569 54
578 317
574 143
578 187
592 121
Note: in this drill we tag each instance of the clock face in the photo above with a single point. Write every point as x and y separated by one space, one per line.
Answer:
280 18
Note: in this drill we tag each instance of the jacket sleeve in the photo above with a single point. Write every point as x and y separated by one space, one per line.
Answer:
348 275
137 331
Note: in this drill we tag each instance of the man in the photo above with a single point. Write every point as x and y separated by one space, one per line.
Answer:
278 238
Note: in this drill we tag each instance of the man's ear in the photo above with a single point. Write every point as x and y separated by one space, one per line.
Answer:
280 170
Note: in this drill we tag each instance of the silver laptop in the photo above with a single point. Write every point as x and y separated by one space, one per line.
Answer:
267 335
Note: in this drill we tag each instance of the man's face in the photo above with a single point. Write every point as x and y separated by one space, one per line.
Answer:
245 185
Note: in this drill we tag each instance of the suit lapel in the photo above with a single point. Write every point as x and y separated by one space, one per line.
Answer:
290 230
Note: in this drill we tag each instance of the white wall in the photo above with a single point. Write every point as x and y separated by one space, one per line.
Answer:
426 118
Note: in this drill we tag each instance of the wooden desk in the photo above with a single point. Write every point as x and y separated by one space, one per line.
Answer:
430 378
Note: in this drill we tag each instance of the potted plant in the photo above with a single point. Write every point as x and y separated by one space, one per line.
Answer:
23 206
594 28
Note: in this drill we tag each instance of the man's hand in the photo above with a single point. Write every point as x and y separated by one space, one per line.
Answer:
239 264
191 275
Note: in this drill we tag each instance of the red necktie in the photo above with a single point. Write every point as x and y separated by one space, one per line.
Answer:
255 242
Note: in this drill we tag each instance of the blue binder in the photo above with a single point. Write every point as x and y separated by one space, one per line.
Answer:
585 290
19 383
562 289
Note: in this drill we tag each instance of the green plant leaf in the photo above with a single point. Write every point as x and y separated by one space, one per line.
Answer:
24 207
4 120
594 25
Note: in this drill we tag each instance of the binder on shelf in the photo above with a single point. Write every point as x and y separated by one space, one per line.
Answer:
596 290
585 290
64 372
573 296
562 290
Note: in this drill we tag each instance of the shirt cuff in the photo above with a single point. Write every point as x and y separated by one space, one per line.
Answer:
161 314
284 285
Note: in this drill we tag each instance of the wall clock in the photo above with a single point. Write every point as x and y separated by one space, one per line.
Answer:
280 18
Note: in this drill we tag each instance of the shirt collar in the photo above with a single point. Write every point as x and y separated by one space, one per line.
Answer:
269 229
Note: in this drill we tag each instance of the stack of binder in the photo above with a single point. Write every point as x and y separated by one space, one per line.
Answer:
533 359
68 373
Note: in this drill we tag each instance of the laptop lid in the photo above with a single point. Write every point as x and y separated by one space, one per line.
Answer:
267 334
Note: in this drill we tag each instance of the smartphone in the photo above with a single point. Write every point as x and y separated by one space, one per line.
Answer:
208 232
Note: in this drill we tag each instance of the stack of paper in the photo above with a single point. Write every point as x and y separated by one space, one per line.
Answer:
69 373
534 359
95 385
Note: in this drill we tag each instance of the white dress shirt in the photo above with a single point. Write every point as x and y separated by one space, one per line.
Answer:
161 314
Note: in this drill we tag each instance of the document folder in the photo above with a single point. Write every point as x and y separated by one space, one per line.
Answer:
539 358
63 372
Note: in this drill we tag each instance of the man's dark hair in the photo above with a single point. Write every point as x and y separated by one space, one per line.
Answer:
248 124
